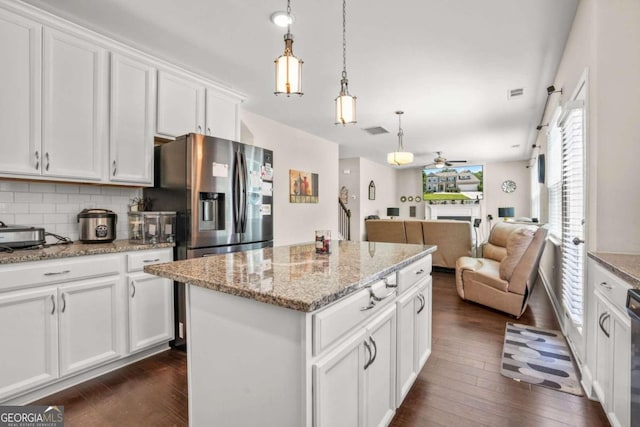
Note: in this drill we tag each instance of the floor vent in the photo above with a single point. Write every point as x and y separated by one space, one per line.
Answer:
376 130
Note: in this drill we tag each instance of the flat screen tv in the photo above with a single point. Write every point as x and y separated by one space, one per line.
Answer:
452 183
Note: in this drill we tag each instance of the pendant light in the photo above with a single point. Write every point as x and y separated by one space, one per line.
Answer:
288 67
345 103
400 157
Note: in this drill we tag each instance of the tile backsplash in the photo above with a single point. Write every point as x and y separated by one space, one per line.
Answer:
56 206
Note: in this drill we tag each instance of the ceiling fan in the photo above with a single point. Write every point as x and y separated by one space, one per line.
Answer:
440 162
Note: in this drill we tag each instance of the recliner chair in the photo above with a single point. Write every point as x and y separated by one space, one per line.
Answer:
503 279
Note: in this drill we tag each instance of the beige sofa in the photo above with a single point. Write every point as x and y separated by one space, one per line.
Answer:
503 279
453 238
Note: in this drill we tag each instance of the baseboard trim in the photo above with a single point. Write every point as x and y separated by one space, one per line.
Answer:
554 301
62 384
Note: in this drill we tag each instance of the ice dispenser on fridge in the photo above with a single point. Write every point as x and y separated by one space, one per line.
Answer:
212 209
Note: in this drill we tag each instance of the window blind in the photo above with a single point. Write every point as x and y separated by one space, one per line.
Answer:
573 201
554 175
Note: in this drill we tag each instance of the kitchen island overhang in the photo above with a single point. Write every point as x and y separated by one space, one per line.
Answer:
263 325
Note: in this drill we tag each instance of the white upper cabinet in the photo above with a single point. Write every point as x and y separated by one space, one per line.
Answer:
20 91
180 105
74 107
133 106
222 118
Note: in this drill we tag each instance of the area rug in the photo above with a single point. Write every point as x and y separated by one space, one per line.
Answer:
539 356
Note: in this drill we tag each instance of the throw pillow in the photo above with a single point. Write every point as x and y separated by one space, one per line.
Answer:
517 244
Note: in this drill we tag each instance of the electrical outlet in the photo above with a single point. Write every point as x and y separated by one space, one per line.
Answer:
490 217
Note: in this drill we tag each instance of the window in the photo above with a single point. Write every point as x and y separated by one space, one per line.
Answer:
535 191
554 177
573 207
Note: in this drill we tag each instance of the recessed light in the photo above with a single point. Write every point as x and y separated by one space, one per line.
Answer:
281 18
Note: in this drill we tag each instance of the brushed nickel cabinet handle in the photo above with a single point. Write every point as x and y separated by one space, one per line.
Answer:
208 131
375 350
37 160
605 285
199 129
422 300
115 168
377 298
64 304
371 305
46 157
56 273
369 361
53 303
151 260
419 271
133 285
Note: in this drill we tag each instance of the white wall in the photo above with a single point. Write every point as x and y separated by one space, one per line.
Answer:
295 149
384 178
56 206
410 184
604 38
494 175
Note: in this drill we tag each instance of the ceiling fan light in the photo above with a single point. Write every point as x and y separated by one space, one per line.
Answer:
399 158
288 70
439 164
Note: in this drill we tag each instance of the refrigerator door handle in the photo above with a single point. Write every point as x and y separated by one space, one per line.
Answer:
245 207
236 193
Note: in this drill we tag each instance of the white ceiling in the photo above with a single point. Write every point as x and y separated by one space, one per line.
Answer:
447 63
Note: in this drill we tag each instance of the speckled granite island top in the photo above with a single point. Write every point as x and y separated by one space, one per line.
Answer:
74 250
295 276
625 266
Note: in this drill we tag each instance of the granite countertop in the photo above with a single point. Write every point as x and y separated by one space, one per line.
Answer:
295 276
625 266
75 249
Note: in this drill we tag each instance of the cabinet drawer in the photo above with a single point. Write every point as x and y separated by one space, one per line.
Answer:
414 272
136 261
611 286
38 273
339 319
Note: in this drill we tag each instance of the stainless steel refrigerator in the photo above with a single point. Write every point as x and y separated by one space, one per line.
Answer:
222 193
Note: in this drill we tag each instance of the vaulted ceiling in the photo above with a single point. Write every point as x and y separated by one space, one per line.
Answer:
449 64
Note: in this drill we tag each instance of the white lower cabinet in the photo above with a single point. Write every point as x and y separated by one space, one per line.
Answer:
29 334
150 310
609 343
354 383
61 318
414 335
88 324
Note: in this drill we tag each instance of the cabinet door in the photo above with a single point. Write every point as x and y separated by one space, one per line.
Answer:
423 326
380 374
150 311
602 376
20 89
74 107
180 105
29 335
407 306
620 405
133 106
338 397
88 324
222 115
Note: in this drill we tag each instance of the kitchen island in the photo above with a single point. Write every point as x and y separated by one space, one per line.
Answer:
287 337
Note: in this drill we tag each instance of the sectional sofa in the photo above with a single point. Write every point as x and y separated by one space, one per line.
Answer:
453 238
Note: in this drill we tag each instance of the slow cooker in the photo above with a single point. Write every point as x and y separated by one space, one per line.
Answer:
97 225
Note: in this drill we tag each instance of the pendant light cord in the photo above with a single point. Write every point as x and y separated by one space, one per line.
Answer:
344 39
400 132
289 16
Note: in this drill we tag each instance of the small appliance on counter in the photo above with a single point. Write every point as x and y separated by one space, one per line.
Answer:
20 236
97 225
149 227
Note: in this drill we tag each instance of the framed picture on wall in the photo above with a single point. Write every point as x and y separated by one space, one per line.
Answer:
372 190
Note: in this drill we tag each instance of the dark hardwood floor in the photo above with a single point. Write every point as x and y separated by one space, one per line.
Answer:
460 385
